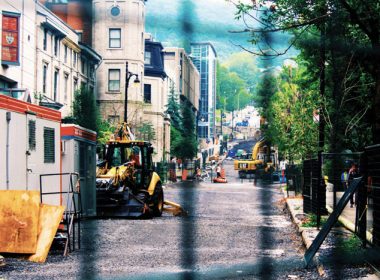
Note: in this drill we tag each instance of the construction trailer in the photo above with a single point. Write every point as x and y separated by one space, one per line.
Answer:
79 157
29 146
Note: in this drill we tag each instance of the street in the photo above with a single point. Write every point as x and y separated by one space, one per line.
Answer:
232 231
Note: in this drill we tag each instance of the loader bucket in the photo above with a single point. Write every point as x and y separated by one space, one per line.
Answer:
121 205
174 208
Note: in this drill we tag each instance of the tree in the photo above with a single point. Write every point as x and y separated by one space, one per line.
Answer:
173 109
189 140
146 132
84 109
347 37
244 65
232 91
290 115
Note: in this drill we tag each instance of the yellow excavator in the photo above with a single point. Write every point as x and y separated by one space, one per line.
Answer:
126 183
260 160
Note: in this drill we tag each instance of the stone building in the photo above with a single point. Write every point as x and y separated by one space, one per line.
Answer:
118 35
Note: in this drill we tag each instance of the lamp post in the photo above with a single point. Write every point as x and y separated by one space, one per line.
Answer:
128 76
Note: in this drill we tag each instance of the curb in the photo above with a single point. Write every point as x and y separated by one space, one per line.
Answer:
304 235
349 225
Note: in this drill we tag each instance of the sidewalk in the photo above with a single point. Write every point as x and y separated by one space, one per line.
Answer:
295 206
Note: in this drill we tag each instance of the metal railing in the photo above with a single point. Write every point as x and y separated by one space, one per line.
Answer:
73 211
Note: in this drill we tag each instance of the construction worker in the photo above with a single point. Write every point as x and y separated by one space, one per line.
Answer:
218 171
135 156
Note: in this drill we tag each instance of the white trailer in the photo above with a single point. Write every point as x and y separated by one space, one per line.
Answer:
29 147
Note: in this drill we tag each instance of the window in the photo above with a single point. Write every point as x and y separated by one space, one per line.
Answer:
114 119
65 58
10 39
147 93
32 135
115 11
75 59
114 80
55 89
115 38
45 39
83 65
56 46
44 77
49 147
148 58
75 84
66 86
80 36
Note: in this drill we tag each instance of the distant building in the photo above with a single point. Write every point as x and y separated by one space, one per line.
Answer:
204 58
156 99
184 75
118 35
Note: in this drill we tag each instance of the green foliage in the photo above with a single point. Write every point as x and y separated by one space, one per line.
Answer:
173 109
175 141
146 132
183 142
189 140
350 35
105 129
311 221
351 244
236 81
290 115
84 109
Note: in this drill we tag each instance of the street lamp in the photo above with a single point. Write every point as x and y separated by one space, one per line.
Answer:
128 76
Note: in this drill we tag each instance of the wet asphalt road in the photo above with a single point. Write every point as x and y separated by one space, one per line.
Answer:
233 231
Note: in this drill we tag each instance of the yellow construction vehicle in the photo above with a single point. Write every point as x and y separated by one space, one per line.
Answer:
260 160
126 184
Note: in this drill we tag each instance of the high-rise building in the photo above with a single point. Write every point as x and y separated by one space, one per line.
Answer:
204 58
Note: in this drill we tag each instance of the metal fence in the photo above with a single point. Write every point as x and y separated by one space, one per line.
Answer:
294 179
172 171
372 182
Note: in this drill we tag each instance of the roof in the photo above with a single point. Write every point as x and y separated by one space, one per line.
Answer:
205 43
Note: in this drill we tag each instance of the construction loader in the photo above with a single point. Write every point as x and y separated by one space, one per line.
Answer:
255 164
126 183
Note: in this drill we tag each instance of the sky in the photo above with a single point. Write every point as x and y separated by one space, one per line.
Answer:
206 20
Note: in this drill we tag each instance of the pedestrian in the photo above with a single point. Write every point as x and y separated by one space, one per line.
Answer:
173 175
352 173
344 180
218 171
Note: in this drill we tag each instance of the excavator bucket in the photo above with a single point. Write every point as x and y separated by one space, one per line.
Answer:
174 208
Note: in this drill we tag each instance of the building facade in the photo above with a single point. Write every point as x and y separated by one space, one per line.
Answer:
184 75
43 60
18 62
118 36
204 58
65 64
156 99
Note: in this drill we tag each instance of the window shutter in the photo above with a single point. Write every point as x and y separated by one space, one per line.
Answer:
49 147
32 135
